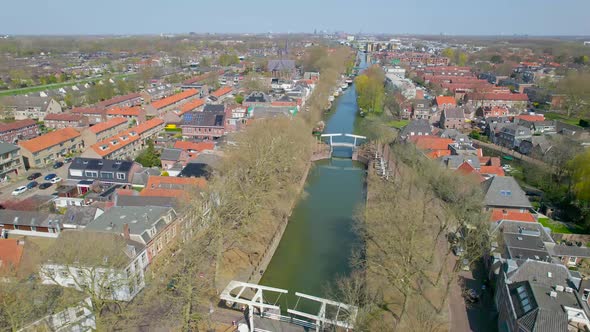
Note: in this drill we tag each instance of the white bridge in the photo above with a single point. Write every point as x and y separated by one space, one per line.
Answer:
252 297
352 144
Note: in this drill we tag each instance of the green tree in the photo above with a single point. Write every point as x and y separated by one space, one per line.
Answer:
462 59
239 99
497 59
449 53
576 88
149 157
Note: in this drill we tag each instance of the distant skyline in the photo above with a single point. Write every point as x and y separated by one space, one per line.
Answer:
451 17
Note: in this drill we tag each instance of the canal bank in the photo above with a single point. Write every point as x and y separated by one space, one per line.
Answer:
319 238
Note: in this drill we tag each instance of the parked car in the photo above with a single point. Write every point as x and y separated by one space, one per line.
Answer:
32 184
33 176
19 190
45 185
55 180
58 164
458 250
67 160
50 176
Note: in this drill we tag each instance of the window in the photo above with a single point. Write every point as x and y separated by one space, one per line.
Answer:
586 294
572 260
121 176
505 193
91 174
106 175
64 274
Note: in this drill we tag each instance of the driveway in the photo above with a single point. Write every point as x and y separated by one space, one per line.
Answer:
7 189
480 316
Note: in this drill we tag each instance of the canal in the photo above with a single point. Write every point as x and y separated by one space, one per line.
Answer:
318 242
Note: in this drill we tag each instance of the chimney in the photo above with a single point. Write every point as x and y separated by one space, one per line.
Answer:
126 231
505 213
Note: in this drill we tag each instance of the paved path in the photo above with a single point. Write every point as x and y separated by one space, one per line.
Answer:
6 189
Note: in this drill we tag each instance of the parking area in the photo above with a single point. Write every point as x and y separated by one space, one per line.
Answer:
7 189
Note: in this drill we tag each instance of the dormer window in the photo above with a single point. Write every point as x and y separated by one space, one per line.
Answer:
104 147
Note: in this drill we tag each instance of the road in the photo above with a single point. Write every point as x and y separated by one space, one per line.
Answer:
7 189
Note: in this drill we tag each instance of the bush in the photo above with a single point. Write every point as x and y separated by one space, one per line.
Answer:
584 123
165 173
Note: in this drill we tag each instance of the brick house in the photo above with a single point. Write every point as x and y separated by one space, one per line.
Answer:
134 115
46 149
444 102
159 107
11 161
518 101
30 223
128 100
206 125
18 130
65 120
94 115
103 130
452 118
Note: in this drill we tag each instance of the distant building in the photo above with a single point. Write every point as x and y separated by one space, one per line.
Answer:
18 130
31 107
65 120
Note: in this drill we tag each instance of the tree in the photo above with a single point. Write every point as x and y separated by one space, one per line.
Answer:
581 60
462 59
256 82
449 53
239 99
228 60
370 89
576 88
496 59
149 157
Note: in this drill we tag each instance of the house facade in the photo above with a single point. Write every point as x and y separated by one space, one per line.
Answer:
46 149
18 130
103 130
65 120
11 161
31 107
205 125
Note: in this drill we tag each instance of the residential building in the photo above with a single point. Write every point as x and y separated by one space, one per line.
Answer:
160 107
103 130
194 105
256 98
65 120
445 102
518 101
194 148
170 186
18 130
495 111
539 296
421 109
127 144
418 127
72 319
46 149
94 114
503 192
30 223
11 161
221 93
511 135
134 115
31 107
129 100
281 68
205 125
88 170
452 118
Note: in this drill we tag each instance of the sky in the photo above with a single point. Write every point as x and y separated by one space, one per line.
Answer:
452 17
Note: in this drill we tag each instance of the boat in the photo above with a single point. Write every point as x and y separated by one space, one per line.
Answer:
344 86
331 98
349 81
336 93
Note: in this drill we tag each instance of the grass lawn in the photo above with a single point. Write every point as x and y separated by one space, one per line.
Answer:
555 227
398 124
562 118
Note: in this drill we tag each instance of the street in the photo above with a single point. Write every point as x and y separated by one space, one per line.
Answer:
7 189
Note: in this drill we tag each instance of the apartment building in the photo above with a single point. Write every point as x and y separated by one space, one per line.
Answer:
46 149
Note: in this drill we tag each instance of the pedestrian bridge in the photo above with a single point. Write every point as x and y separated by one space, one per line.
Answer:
349 141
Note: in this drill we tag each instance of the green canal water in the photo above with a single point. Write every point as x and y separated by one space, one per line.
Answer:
319 239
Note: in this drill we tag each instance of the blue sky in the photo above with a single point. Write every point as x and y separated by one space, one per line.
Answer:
534 17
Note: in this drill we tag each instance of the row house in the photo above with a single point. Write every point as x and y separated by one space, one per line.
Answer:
86 171
133 115
129 100
18 130
159 107
45 149
204 125
11 161
195 105
444 102
31 107
65 120
421 109
518 101
511 135
30 223
127 144
103 130
221 94
95 115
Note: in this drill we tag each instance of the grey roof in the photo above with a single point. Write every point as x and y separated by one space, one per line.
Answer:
140 219
573 251
128 200
140 178
454 161
454 113
416 126
516 130
539 272
214 108
421 105
100 166
210 159
257 97
7 148
171 154
504 191
271 111
23 102
79 215
281 65
29 218
203 119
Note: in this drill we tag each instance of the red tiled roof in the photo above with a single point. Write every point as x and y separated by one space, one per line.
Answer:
174 98
191 105
50 139
431 142
169 186
496 170
126 111
63 117
222 91
442 100
11 253
193 146
531 118
102 126
88 110
106 146
17 125
499 214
